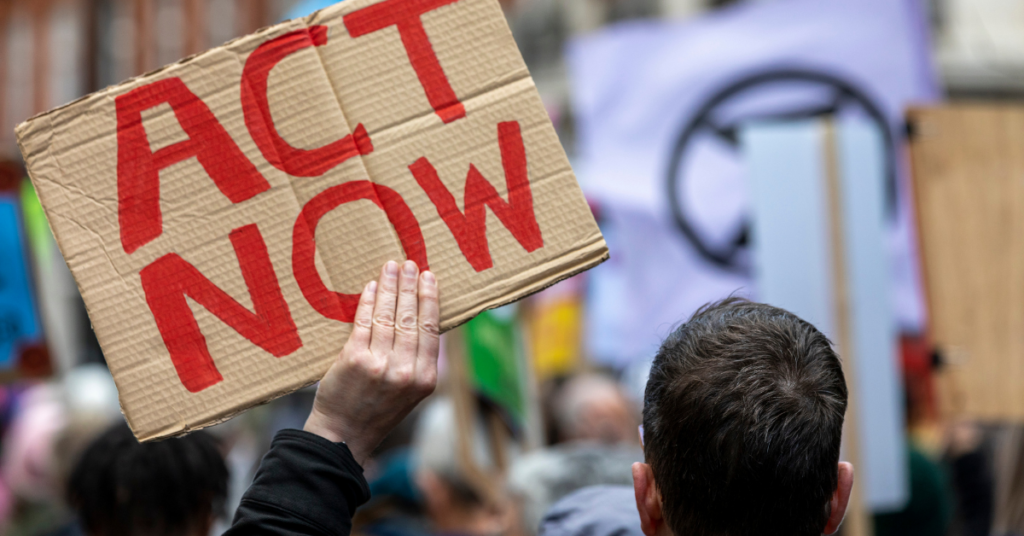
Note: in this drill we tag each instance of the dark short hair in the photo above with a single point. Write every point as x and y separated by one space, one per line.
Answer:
743 416
120 487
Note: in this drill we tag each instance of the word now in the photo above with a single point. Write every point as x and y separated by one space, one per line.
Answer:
168 280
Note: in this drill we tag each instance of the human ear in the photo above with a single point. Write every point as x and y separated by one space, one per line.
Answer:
840 497
648 499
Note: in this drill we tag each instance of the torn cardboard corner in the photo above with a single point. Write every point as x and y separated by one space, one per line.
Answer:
220 215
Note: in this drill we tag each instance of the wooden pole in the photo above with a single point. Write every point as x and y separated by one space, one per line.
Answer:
145 45
92 49
41 55
858 521
195 26
467 418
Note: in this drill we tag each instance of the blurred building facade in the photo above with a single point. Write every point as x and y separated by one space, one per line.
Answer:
54 51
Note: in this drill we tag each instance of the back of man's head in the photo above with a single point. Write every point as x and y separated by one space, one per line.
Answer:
743 416
174 487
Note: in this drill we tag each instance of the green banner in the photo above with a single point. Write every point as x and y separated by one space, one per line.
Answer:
493 350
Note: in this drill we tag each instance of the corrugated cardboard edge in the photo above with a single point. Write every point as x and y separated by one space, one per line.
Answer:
185 429
595 254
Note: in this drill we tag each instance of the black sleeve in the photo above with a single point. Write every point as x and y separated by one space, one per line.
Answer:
305 485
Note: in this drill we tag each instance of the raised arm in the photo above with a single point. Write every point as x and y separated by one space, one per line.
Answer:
311 481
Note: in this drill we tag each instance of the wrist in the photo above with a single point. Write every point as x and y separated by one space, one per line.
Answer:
317 424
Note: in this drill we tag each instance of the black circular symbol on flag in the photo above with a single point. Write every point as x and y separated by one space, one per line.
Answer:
840 94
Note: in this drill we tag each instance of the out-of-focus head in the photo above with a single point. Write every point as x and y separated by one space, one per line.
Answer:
743 416
28 463
458 500
436 449
542 477
174 487
593 407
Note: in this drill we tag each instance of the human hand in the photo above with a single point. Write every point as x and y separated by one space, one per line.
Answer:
388 365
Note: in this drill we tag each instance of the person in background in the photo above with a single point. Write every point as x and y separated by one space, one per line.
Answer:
971 475
929 506
593 407
27 466
928 509
450 491
596 425
396 506
594 511
54 421
120 487
454 501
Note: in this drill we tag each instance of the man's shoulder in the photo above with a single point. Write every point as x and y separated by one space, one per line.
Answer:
593 511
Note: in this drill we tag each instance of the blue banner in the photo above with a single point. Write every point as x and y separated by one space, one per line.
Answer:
19 324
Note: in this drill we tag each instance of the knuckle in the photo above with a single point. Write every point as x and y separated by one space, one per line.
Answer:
407 321
376 371
384 320
402 378
427 383
363 322
357 363
429 327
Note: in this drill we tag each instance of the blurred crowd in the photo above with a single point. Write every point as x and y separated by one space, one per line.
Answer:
456 466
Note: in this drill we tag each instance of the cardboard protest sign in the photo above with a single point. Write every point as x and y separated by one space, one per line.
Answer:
221 214
967 169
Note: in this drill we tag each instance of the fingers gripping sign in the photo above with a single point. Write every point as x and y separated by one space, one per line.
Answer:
387 366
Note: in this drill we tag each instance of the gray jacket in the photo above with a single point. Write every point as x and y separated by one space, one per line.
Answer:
593 511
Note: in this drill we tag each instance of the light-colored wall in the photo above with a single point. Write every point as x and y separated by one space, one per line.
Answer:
980 45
